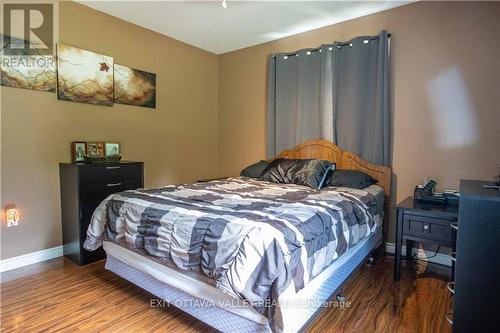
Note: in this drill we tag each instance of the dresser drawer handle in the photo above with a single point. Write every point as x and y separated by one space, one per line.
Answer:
453 256
451 287
113 167
113 184
426 227
454 225
448 317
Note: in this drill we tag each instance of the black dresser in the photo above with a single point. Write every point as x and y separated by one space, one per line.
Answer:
477 269
83 188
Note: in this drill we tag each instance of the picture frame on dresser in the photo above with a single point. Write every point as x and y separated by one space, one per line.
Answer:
112 149
95 149
78 151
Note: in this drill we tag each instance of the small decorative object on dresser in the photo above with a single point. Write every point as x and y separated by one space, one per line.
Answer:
79 150
96 152
112 148
95 148
426 223
83 187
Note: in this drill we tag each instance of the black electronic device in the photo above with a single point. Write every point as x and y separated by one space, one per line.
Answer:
426 193
430 186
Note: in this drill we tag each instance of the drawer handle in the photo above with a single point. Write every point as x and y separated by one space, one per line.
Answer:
113 184
113 167
448 317
453 256
454 225
451 287
426 227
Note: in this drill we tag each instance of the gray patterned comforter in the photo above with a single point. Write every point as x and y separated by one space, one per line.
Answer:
256 240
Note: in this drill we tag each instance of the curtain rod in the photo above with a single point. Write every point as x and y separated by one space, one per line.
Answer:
319 48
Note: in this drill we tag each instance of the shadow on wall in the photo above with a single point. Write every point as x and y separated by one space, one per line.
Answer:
453 117
453 113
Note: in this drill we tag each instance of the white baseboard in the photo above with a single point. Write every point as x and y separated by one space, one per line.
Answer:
439 258
30 258
43 255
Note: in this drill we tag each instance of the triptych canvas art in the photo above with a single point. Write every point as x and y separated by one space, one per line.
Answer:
134 87
84 76
79 76
29 70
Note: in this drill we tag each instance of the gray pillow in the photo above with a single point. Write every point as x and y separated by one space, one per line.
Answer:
311 173
349 178
254 170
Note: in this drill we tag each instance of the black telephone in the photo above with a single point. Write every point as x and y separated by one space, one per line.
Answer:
429 187
426 193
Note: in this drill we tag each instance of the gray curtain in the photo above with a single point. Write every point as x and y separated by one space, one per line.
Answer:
339 92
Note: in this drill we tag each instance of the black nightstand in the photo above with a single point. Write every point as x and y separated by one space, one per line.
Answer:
425 223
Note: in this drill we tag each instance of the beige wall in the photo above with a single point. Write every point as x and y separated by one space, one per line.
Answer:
177 141
210 115
439 50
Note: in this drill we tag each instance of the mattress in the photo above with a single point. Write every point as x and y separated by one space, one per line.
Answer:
183 291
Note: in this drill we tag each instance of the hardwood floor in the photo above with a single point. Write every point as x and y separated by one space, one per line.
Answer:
60 296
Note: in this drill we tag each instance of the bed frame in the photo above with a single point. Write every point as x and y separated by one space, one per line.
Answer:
325 150
226 321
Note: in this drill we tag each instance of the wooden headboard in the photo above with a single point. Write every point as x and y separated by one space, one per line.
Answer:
325 150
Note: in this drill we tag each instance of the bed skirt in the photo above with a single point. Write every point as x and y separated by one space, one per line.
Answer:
225 321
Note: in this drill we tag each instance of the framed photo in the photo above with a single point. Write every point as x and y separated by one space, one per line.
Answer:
79 151
112 148
95 148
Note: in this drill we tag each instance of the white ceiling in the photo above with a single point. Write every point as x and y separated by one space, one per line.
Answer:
207 25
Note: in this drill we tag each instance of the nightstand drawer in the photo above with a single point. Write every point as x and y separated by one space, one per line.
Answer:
100 174
423 222
429 228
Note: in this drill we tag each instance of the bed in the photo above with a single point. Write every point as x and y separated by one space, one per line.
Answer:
241 254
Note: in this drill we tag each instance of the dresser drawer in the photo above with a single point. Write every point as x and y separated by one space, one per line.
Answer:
430 228
100 174
99 192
